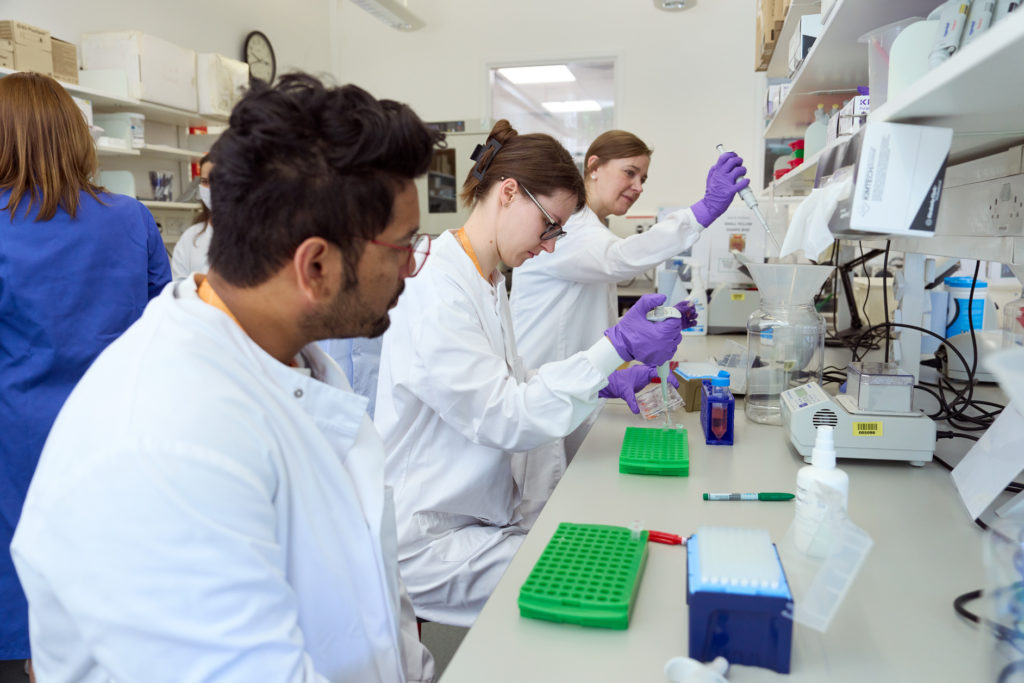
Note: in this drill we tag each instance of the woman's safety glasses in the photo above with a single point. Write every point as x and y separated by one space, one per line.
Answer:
418 248
554 229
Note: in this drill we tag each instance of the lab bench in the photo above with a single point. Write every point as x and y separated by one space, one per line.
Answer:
896 623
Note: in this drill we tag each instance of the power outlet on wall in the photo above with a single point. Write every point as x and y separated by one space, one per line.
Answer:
1005 208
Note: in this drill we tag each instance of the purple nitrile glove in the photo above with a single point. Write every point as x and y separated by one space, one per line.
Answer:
725 179
626 382
689 314
637 338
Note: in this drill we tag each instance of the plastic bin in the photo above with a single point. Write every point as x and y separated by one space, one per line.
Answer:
879 42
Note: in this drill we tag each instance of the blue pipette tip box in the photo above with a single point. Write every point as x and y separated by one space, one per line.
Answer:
746 622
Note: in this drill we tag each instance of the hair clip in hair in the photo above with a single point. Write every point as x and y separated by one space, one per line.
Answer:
478 170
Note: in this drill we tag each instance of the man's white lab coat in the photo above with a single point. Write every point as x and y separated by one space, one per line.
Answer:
202 512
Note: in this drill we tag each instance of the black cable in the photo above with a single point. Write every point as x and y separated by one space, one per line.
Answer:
867 294
885 299
955 435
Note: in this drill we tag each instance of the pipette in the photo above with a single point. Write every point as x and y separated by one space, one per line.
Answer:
748 198
657 315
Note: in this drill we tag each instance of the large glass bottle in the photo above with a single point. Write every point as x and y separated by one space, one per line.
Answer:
785 348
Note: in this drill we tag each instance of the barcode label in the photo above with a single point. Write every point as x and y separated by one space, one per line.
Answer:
867 428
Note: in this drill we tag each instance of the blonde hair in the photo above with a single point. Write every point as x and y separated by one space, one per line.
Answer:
615 144
537 161
46 151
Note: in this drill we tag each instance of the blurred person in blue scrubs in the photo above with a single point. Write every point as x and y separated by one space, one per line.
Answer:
77 267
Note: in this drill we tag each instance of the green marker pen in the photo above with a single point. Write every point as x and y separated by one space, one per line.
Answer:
748 496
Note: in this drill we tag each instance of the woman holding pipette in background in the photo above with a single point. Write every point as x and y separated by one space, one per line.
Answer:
457 409
562 300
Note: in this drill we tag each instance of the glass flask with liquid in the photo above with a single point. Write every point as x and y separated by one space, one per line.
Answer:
785 337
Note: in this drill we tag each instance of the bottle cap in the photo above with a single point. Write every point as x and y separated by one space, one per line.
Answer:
722 380
824 453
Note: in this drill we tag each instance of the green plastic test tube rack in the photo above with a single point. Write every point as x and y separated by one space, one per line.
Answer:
588 575
650 450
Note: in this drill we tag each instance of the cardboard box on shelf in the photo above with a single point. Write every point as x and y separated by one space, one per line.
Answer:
156 70
65 60
30 47
220 81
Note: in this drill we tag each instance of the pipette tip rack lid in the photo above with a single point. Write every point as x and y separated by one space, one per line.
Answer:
647 450
588 575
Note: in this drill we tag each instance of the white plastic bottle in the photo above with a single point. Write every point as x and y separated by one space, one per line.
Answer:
814 136
699 298
820 487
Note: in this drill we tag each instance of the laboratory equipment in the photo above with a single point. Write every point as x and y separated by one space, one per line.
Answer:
686 670
822 492
717 408
588 574
699 298
814 136
785 336
880 42
730 306
649 408
960 302
747 195
655 451
739 599
987 342
858 432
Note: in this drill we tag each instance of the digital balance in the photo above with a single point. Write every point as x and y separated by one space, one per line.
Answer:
874 419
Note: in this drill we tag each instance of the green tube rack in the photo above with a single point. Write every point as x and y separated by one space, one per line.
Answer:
649 450
588 575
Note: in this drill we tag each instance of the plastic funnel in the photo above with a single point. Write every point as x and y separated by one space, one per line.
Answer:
788 283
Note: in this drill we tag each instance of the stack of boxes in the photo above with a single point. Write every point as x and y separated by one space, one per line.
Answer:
770 15
24 47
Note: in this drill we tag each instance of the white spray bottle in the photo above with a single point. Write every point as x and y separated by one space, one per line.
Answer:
699 298
822 491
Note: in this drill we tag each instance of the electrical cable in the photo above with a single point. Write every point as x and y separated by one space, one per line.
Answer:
885 298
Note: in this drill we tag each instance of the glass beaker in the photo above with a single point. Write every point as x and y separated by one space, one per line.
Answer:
785 348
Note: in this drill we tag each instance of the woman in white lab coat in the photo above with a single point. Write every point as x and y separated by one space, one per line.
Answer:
190 252
454 401
561 301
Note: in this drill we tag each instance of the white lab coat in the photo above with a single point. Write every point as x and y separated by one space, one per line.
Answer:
454 405
203 512
562 301
190 252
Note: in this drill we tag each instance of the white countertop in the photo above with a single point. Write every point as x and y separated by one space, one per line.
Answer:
897 622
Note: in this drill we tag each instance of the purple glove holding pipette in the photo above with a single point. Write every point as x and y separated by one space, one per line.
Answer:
637 338
725 179
626 382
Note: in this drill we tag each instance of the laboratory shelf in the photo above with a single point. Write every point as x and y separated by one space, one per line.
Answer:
168 152
778 66
105 151
105 102
152 204
837 63
977 93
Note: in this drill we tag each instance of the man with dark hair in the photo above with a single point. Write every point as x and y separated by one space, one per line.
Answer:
242 531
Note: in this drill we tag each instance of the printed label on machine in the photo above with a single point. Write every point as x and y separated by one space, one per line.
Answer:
738 296
867 429
803 396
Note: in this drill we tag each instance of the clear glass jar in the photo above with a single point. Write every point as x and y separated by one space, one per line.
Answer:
785 348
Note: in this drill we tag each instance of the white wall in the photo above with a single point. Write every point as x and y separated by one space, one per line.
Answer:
685 80
299 30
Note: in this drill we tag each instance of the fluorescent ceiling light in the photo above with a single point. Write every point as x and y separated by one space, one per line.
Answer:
552 73
571 106
674 5
393 13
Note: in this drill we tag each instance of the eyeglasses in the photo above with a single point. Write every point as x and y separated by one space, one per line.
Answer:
554 229
418 248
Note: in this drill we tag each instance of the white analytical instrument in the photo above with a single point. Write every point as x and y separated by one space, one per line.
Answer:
867 423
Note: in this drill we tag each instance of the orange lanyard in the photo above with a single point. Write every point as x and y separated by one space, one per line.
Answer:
463 239
207 295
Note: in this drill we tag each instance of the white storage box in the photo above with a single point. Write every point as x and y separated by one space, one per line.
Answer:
803 39
895 173
157 70
220 81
